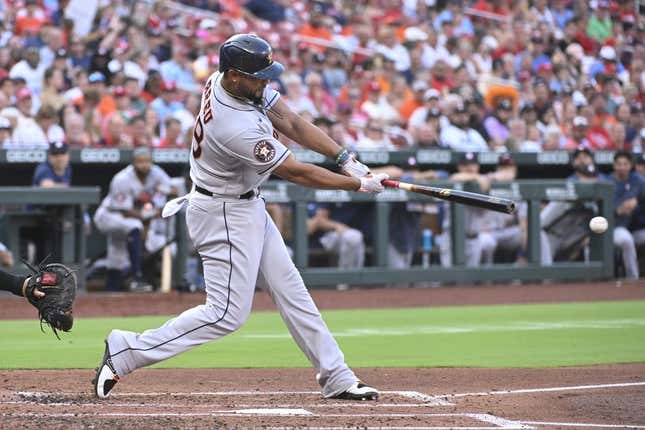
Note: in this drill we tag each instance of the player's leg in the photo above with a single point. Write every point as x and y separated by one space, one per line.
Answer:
624 240
301 315
227 236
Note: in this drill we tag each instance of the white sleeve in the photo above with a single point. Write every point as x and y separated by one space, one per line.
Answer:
271 97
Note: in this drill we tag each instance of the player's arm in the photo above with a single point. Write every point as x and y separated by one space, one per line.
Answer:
292 125
15 284
308 135
312 176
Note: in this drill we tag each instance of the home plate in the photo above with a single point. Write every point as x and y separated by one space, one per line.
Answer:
279 411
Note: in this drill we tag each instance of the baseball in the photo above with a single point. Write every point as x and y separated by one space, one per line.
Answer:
598 224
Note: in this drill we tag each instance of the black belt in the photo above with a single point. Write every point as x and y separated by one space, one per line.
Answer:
246 196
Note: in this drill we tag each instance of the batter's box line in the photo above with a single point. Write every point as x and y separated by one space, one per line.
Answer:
425 399
497 422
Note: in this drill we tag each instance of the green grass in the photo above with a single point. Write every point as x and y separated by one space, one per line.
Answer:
477 336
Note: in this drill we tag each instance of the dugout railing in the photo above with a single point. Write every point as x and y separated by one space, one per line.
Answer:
599 265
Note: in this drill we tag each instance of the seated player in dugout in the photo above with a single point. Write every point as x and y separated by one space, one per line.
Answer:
565 224
137 194
56 170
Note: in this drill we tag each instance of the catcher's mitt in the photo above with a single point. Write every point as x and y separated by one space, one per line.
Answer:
58 283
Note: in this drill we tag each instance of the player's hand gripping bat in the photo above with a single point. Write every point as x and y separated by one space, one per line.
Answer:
464 197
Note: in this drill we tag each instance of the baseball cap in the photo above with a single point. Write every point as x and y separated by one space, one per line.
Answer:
528 107
58 147
580 121
545 67
431 93
374 87
468 158
415 34
119 91
5 123
640 158
581 149
61 53
419 86
608 53
96 77
23 94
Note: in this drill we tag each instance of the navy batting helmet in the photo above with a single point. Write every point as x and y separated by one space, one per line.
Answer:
251 55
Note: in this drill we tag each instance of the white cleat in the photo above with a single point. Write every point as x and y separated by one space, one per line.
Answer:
106 377
359 391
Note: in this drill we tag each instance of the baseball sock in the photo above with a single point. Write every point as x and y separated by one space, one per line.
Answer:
135 251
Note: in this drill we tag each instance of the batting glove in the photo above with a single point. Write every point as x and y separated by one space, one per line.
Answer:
372 183
350 166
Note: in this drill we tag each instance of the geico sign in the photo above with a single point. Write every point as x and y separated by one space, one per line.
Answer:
26 156
112 155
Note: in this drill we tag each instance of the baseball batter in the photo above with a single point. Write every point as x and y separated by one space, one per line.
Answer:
234 150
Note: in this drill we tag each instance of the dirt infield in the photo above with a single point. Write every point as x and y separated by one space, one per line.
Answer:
439 398
278 398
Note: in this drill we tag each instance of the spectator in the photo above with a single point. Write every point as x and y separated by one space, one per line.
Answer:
173 137
27 133
47 118
458 136
166 104
5 132
497 122
600 26
30 69
53 86
377 107
56 172
578 134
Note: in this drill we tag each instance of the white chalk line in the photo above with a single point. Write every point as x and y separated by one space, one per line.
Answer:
585 425
544 390
413 395
344 404
593 324
500 423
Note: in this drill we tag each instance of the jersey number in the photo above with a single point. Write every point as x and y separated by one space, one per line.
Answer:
198 135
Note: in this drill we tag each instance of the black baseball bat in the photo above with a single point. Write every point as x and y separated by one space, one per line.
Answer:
464 197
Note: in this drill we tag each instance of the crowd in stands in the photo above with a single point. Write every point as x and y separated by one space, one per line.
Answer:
477 75
466 75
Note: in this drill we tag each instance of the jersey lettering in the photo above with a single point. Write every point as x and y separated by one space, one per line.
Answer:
198 136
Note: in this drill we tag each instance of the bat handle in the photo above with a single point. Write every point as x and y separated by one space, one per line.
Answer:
390 183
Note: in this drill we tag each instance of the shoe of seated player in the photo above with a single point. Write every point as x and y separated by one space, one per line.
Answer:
359 391
106 377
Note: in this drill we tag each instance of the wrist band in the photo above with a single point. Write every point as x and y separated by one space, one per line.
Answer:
342 156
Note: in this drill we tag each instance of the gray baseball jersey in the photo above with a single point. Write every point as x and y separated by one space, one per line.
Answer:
125 190
234 147
234 151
